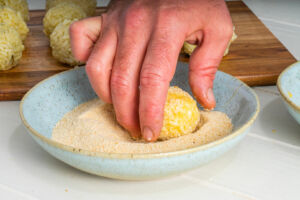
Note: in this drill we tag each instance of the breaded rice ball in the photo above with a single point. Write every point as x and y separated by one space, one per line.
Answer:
181 114
17 5
234 36
189 48
89 6
6 55
60 43
13 19
59 13
11 47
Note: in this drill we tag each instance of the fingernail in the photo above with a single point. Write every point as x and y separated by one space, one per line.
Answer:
210 95
148 134
135 135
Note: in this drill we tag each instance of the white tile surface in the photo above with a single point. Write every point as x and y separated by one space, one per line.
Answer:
258 168
274 121
265 165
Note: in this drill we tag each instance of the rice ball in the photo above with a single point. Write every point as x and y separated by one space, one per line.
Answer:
89 6
234 36
181 114
189 48
17 5
12 18
6 55
60 43
11 47
59 13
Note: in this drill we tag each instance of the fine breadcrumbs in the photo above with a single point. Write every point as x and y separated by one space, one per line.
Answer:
89 6
60 43
17 5
92 126
14 19
59 13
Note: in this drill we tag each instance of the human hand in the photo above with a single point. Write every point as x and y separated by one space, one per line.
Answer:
132 51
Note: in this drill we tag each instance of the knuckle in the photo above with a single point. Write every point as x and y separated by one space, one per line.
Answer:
169 17
75 28
221 26
94 68
228 31
222 32
120 84
168 13
152 76
208 71
135 16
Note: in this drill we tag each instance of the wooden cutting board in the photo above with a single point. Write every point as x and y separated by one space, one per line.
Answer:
256 57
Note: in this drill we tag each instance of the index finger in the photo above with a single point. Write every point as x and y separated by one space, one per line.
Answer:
156 73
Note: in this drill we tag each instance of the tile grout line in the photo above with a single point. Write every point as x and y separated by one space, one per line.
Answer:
274 141
223 188
22 194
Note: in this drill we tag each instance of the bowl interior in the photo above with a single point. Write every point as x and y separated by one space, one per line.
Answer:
289 84
48 101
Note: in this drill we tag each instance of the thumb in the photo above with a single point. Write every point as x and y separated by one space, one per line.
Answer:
204 63
84 34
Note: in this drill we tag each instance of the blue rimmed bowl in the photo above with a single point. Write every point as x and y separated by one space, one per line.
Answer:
46 103
288 84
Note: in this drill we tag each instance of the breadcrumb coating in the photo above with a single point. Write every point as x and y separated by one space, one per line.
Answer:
14 19
89 6
60 43
11 47
6 55
181 114
59 13
17 5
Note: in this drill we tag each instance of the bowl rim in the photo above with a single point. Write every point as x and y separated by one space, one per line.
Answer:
279 86
79 151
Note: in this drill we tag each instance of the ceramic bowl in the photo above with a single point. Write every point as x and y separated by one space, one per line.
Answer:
289 87
46 103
